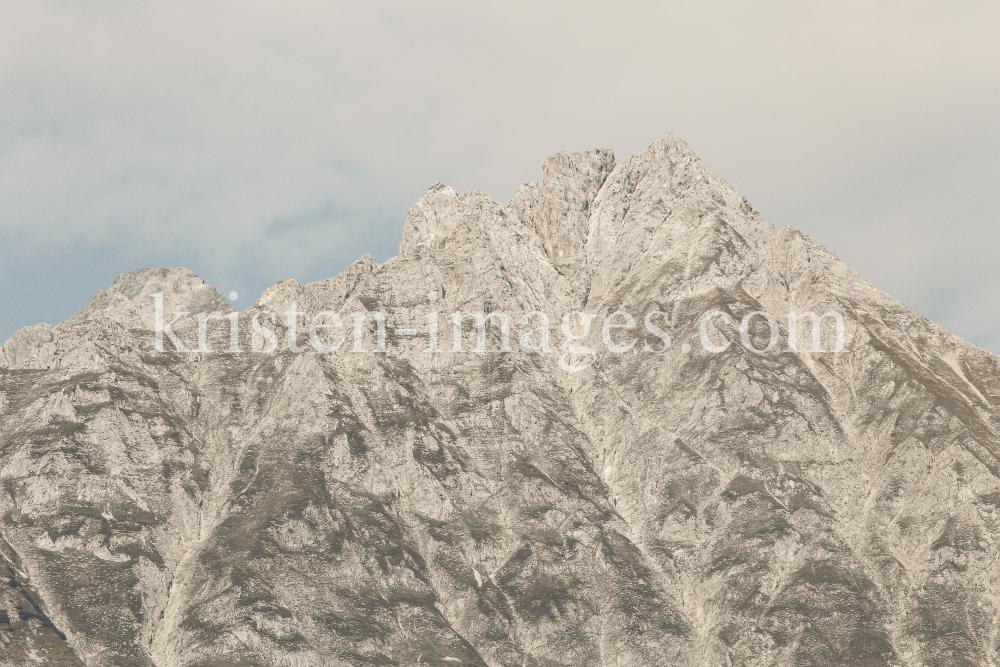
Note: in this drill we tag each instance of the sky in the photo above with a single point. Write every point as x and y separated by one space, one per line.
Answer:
255 141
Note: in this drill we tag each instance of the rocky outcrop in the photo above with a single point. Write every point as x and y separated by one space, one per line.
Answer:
684 501
570 184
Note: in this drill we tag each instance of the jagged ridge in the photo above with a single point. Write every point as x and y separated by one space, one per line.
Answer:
682 508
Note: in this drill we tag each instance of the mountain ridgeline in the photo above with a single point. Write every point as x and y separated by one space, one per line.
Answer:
686 501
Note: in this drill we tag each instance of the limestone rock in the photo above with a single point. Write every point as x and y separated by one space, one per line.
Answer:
684 501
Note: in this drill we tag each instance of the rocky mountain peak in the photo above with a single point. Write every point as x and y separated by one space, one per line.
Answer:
439 219
594 218
722 482
129 301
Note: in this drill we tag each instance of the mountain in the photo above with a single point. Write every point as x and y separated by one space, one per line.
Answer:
689 500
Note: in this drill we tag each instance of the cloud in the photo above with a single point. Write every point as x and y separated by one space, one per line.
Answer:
250 141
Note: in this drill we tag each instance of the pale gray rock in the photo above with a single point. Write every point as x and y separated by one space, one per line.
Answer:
570 184
29 347
413 506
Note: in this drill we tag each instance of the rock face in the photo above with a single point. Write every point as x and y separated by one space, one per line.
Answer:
699 505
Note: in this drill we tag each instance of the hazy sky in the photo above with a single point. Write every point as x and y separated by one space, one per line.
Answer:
253 141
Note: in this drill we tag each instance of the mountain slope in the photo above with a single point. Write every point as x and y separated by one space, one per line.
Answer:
674 506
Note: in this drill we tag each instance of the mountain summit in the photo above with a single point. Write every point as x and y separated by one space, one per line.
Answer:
620 420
